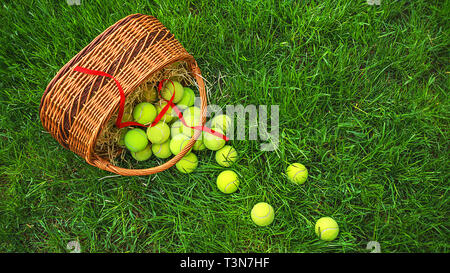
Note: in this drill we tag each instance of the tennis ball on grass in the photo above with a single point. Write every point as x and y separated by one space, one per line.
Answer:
226 156
227 181
144 113
136 140
162 150
188 163
159 133
327 229
297 173
187 100
168 116
222 122
177 144
213 142
262 214
167 91
144 154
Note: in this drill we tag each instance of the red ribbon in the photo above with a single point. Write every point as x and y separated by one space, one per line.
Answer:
170 103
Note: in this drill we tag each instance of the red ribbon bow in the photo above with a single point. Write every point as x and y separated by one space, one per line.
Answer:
170 103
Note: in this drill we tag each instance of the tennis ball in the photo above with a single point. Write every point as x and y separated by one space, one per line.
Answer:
136 140
144 154
188 163
222 122
187 100
327 229
159 133
176 128
177 144
262 214
144 113
227 181
226 156
199 145
162 150
213 142
297 173
167 91
168 116
192 117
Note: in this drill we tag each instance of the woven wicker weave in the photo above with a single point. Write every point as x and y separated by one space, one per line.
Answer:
76 106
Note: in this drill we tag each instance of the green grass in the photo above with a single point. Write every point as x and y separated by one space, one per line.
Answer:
363 96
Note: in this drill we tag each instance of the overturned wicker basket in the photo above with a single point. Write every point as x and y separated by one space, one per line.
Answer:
76 106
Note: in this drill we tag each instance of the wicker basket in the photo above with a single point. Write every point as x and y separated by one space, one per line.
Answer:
75 106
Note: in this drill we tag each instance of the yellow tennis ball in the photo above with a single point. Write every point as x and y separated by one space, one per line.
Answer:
159 133
143 155
162 150
227 181
167 91
177 144
327 229
168 116
187 100
144 113
176 128
226 156
213 142
192 117
262 214
222 122
188 163
297 173
199 145
136 140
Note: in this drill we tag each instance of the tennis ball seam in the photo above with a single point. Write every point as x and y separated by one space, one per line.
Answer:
232 182
300 171
267 215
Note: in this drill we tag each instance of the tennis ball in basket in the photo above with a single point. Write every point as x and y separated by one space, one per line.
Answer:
162 150
188 163
187 100
327 229
227 181
222 122
213 142
167 91
136 140
168 116
177 144
176 128
297 173
192 117
144 113
226 156
199 145
144 154
159 133
262 214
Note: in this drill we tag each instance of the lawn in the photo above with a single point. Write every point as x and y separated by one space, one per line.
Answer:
363 102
